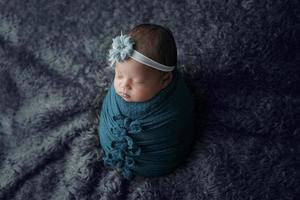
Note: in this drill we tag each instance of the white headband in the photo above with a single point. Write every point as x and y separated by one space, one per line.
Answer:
122 49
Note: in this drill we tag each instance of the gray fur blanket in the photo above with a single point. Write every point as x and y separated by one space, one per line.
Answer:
240 59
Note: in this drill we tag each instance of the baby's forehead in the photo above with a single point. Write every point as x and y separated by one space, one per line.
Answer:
138 70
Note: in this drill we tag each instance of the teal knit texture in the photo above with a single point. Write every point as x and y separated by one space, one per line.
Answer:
148 138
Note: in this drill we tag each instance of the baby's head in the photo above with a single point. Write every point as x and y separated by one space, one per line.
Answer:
138 82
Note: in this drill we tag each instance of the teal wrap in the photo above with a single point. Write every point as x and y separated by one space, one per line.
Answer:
147 138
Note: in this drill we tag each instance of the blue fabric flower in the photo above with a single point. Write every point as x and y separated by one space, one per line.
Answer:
122 48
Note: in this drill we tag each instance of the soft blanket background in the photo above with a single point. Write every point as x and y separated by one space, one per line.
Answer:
240 58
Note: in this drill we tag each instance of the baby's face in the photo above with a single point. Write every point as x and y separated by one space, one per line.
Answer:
135 82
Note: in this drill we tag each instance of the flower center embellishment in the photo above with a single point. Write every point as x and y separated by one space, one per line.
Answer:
123 149
122 48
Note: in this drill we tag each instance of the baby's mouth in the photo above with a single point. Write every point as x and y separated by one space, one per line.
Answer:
125 96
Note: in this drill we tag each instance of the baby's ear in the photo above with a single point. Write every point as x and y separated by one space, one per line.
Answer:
166 79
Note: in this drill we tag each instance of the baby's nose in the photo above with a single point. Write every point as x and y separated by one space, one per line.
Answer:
125 85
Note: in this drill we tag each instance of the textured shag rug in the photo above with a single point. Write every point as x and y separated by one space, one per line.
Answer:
240 59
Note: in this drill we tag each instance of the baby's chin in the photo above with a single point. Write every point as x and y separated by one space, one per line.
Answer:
130 100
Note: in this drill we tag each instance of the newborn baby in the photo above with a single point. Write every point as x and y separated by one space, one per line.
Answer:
135 82
146 121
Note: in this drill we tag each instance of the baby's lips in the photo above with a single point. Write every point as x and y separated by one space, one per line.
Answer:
124 95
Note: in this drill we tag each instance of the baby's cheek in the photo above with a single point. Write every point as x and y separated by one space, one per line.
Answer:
139 92
115 84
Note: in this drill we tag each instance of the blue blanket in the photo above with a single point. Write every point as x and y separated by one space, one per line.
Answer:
148 138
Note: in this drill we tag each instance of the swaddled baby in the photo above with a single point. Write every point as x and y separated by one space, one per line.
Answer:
146 122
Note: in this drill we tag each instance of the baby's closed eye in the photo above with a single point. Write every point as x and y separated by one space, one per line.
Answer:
139 81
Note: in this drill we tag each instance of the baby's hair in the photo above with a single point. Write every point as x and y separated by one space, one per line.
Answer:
155 42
